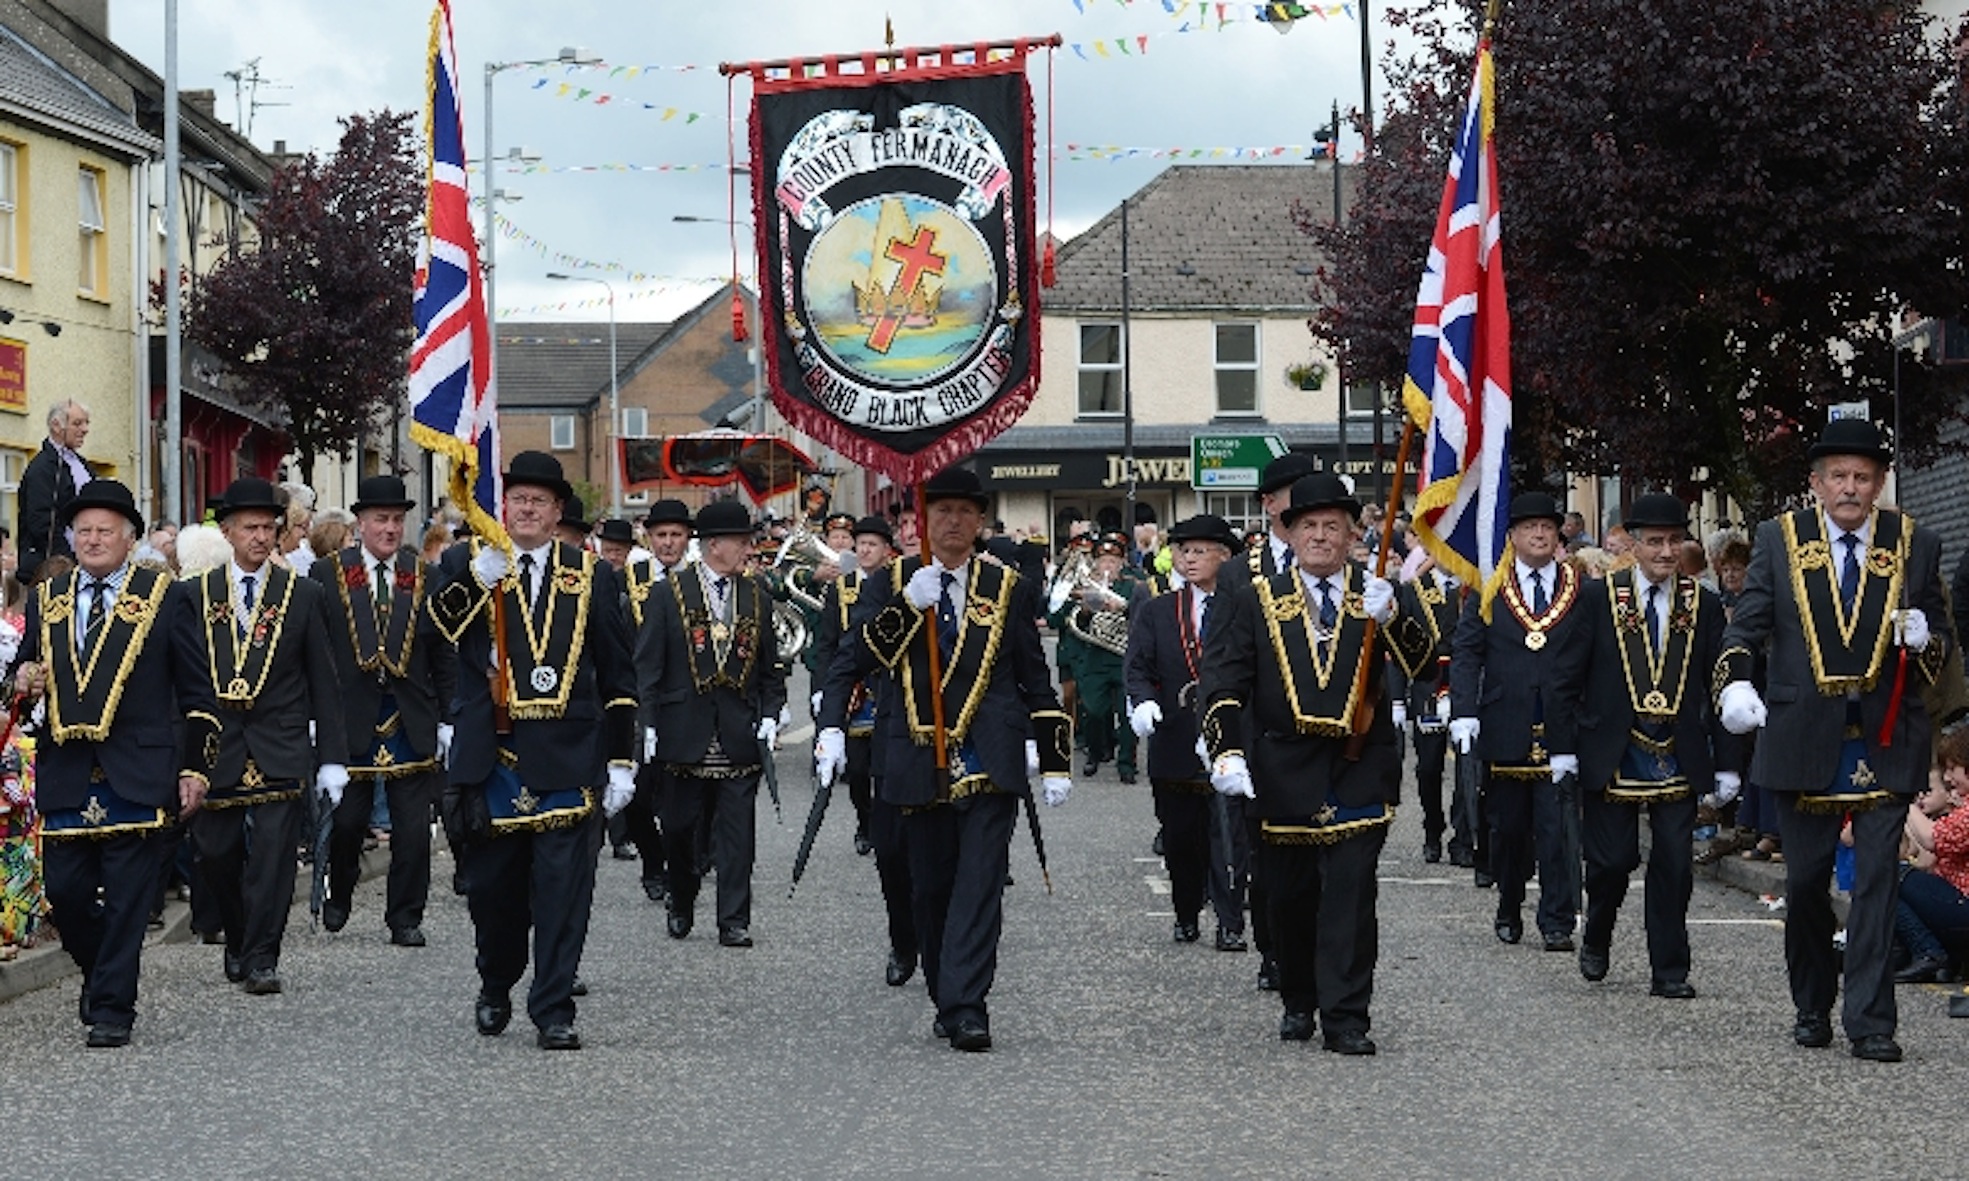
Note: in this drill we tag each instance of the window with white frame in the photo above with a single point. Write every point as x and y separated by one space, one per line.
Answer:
1236 364
635 422
1100 370
92 272
10 218
560 432
1241 509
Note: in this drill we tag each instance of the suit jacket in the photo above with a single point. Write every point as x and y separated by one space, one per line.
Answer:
1159 668
1252 563
1495 677
422 682
1593 680
164 714
566 747
1003 701
46 485
686 692
1798 749
300 683
1432 608
837 605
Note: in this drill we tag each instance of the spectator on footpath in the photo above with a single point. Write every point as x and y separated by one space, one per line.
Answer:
1931 917
48 484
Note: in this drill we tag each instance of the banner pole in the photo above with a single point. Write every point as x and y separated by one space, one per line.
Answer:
936 653
1364 711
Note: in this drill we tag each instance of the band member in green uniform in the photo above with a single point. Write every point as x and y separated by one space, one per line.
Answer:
1097 612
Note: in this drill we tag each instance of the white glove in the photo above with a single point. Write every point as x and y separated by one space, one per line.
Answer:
1463 732
1144 718
1202 751
311 738
1232 778
620 790
1398 714
1055 789
785 715
649 744
1032 757
490 565
1728 783
1058 598
331 779
444 741
830 754
769 732
924 588
1743 710
1913 624
1563 765
1378 600
816 703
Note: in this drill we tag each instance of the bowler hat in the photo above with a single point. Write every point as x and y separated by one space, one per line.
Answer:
1283 472
669 512
956 483
1851 436
1205 527
616 529
574 514
539 469
1317 491
878 526
1656 510
247 492
102 493
384 491
724 518
1536 506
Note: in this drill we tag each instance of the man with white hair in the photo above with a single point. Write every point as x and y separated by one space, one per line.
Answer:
49 483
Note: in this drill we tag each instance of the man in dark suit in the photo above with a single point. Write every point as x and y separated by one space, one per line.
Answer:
1421 695
1282 691
711 687
1002 723
114 649
48 484
1504 706
267 650
397 676
1647 737
546 729
1847 601
667 529
1166 637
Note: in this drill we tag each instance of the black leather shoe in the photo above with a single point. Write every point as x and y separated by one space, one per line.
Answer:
82 1006
1350 1041
938 1031
458 882
1509 932
1558 941
1432 852
558 1037
1295 1027
734 937
863 846
655 891
262 982
1812 1030
334 915
898 970
1155 846
1461 858
1268 975
1926 970
1230 940
623 853
1092 766
109 1037
970 1035
408 937
678 924
235 969
1128 777
1593 962
580 987
1482 880
1874 1047
1674 990
491 1014
1186 932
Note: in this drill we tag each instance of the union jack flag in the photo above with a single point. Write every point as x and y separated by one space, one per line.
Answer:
452 404
1458 390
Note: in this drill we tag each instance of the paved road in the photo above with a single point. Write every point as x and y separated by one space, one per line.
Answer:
1119 1055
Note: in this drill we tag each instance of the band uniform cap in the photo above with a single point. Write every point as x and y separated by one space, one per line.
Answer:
834 521
247 492
1657 510
1112 543
540 470
574 514
670 512
956 483
1851 436
1317 491
1205 527
383 491
616 529
1284 472
102 493
1081 541
877 526
1536 506
724 518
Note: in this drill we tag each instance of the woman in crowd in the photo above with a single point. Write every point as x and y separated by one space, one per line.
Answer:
1932 916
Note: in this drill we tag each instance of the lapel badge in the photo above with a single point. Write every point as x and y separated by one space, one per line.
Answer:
544 679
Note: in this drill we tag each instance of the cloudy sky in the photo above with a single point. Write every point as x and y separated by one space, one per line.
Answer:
1239 86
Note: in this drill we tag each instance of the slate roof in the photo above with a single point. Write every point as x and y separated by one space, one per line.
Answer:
35 83
565 365
1230 225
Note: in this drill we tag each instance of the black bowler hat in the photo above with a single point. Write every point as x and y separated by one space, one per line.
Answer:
669 512
574 514
879 527
1536 506
540 470
616 529
382 492
1317 491
956 483
1656 510
835 521
1205 527
724 518
247 492
1284 472
1851 436
102 493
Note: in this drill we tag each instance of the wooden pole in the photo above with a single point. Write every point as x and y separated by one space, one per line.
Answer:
936 652
1364 708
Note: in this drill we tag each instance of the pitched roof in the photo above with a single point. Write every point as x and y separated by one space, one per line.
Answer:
34 83
556 365
1230 226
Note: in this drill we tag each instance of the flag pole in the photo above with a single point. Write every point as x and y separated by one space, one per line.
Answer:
1366 702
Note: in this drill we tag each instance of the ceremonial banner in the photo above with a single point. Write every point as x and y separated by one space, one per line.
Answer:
896 255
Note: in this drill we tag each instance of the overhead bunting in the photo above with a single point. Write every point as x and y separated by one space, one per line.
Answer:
574 92
597 303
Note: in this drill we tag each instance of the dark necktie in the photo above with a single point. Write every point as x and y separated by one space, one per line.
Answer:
1329 613
1538 600
1654 617
1203 620
719 585
1849 570
246 597
526 584
383 591
947 616
99 591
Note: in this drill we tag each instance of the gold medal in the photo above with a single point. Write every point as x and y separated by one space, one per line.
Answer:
238 688
720 632
1655 702
1535 640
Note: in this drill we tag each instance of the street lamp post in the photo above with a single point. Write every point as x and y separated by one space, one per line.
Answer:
614 393
1330 136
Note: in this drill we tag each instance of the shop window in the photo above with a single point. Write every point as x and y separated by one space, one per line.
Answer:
1100 370
1237 370
1241 509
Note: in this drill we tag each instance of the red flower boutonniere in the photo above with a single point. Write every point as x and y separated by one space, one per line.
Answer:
355 577
406 580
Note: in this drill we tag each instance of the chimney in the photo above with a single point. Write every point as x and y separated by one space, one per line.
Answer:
205 102
92 15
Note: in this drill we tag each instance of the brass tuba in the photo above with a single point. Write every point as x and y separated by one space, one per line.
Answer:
801 550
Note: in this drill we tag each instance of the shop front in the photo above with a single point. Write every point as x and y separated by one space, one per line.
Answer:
223 438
